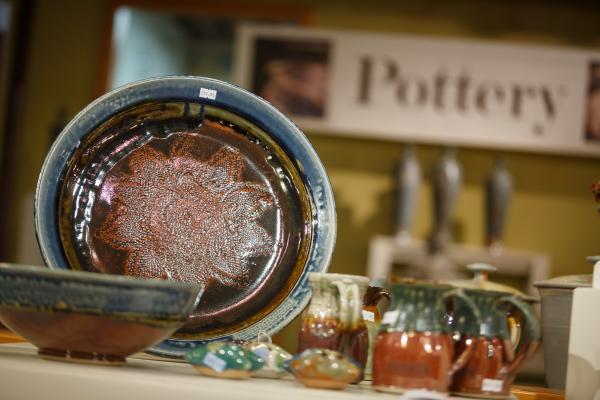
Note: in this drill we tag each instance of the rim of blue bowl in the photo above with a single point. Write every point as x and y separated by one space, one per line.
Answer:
220 95
91 277
150 301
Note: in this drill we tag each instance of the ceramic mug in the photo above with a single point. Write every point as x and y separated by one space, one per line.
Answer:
334 318
509 333
415 347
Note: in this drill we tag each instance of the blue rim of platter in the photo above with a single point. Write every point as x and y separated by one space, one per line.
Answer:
221 95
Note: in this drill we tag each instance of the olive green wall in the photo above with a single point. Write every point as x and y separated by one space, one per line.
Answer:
62 69
552 209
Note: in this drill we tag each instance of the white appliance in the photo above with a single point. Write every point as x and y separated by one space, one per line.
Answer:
583 369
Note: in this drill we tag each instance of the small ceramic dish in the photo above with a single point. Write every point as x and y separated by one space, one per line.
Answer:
274 357
90 317
324 369
224 360
196 180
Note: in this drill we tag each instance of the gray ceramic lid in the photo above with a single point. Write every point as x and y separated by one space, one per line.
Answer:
480 281
566 282
569 281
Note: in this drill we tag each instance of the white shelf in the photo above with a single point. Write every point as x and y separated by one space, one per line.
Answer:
24 376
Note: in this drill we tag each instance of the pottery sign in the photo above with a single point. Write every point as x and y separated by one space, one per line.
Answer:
420 89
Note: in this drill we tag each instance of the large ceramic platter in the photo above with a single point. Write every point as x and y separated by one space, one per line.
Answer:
196 180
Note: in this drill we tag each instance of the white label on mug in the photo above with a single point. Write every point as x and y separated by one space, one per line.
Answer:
208 94
390 317
368 315
214 362
491 385
423 394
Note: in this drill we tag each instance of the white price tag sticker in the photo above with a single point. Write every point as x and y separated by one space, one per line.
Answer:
368 315
491 385
422 394
208 94
214 362
390 317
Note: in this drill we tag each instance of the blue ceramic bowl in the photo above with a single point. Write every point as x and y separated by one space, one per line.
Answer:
277 289
90 317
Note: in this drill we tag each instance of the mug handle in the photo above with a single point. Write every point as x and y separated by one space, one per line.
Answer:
350 303
528 338
461 360
374 296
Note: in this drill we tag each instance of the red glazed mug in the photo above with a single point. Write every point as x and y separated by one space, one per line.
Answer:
496 358
415 348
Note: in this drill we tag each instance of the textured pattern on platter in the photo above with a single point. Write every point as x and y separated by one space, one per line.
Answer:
186 219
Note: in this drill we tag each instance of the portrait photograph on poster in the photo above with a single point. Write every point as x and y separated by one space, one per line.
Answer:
292 74
592 111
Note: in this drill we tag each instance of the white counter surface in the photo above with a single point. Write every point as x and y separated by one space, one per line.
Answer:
24 376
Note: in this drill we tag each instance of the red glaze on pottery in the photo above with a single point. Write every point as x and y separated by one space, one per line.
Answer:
85 338
195 200
413 360
496 359
334 318
415 347
355 344
489 356
326 333
320 333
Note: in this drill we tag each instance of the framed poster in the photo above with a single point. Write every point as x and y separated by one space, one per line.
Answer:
427 90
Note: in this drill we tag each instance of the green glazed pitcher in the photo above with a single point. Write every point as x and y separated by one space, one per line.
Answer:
509 334
415 347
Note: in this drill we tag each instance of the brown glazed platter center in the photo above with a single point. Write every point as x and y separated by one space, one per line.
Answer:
168 192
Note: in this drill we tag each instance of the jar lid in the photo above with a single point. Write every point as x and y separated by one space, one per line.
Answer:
569 281
480 281
566 282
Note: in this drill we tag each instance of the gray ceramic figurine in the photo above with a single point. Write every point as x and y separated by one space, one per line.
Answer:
408 180
498 190
447 180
